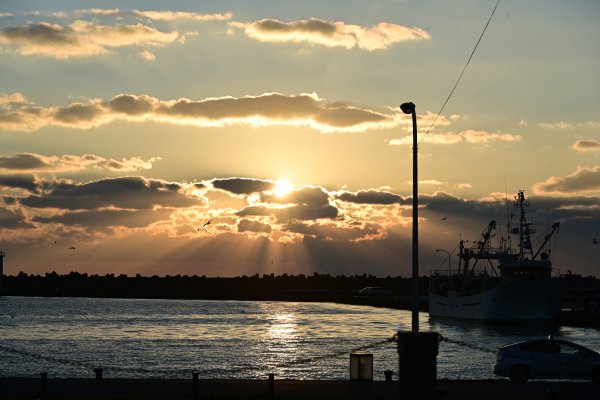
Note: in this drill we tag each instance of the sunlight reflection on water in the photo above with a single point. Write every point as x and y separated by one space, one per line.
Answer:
231 339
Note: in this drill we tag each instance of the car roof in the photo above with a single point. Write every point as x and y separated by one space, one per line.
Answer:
550 339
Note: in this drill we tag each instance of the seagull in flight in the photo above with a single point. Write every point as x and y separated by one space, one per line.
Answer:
71 248
206 223
444 218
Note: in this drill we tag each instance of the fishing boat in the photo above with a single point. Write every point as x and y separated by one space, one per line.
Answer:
497 282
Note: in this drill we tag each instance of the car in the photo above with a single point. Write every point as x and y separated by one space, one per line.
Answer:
375 291
547 358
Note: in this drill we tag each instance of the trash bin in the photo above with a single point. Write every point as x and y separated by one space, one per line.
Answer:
361 367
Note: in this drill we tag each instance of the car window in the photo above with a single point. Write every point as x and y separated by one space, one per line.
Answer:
568 349
542 346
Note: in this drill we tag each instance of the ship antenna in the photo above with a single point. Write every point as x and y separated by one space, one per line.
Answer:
508 218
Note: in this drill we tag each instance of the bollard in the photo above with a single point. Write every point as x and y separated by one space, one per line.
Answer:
271 384
194 384
43 383
417 352
388 375
98 372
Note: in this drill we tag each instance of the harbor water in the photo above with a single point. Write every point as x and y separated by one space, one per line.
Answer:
143 338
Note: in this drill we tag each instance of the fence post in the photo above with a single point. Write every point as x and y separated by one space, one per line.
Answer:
271 384
43 383
194 384
388 375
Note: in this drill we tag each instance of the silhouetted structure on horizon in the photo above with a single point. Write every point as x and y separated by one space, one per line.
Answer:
1 271
316 287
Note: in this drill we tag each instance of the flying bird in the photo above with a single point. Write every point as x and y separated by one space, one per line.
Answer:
595 241
206 223
71 248
444 218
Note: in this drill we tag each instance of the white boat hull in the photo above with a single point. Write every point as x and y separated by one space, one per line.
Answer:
516 299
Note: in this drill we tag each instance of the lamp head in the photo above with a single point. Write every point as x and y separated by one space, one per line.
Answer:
408 108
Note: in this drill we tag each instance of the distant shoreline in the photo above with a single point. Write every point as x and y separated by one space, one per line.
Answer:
268 287
581 300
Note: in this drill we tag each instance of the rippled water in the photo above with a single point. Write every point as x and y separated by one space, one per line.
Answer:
233 339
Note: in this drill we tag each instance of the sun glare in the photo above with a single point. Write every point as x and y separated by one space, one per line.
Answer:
282 188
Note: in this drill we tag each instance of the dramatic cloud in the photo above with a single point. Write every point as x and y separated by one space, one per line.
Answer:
305 195
125 164
105 211
98 219
469 136
569 125
589 124
332 232
23 161
246 225
371 196
126 193
32 162
12 98
181 15
151 15
301 212
464 186
581 181
147 55
243 185
306 203
12 219
584 179
331 34
433 182
585 146
269 109
556 125
25 182
80 39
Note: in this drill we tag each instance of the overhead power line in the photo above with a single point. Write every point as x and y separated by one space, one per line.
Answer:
462 72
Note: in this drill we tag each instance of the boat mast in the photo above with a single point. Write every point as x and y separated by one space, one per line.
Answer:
525 230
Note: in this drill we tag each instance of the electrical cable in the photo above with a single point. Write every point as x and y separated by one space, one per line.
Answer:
461 74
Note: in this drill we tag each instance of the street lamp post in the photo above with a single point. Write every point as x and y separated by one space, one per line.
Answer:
409 108
449 263
417 351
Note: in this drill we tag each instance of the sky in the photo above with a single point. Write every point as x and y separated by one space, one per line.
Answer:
226 138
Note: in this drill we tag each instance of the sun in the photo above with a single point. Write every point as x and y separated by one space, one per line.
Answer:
282 188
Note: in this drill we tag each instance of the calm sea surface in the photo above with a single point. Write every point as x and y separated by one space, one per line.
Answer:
233 339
